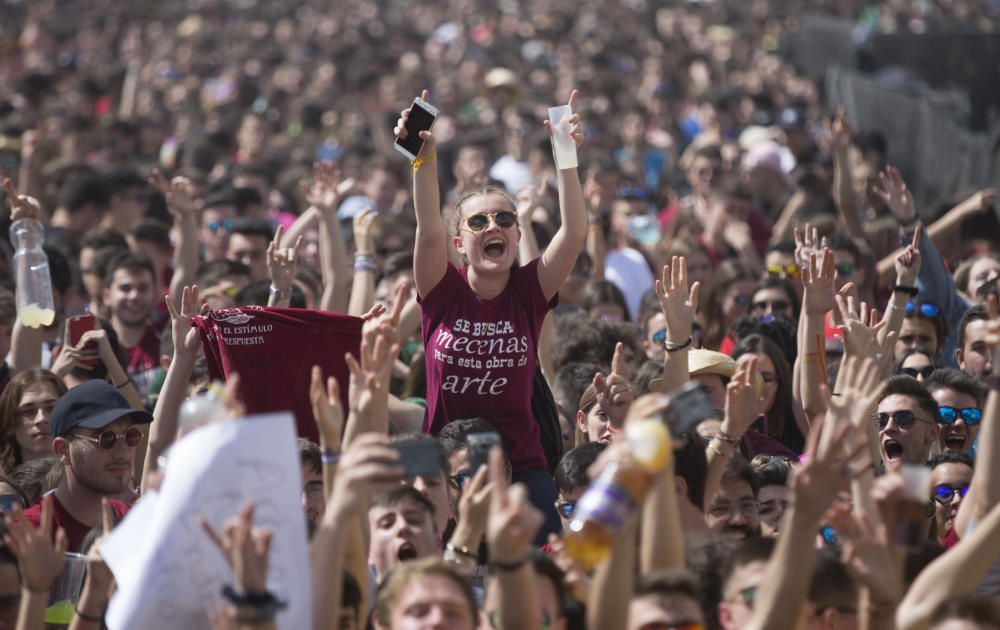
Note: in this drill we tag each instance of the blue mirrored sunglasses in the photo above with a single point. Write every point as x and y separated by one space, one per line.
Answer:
926 309
971 416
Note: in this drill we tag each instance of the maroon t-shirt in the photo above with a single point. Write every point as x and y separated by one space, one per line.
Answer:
75 530
481 356
274 349
144 360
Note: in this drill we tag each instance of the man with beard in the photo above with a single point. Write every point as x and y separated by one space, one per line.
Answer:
960 399
94 436
732 512
130 293
907 422
402 528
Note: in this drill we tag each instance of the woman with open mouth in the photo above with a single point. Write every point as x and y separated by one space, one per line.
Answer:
481 321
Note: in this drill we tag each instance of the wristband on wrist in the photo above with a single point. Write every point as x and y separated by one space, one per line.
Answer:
330 456
365 262
674 347
902 288
725 437
264 605
420 161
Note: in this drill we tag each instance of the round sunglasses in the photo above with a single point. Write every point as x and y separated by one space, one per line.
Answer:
481 220
107 439
945 494
904 418
971 416
215 226
926 309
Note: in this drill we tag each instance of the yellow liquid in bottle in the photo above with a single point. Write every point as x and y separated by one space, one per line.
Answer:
60 612
33 316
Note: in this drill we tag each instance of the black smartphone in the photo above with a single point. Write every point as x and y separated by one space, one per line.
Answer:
421 118
479 445
419 457
689 405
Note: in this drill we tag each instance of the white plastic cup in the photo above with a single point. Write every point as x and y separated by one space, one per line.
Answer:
562 140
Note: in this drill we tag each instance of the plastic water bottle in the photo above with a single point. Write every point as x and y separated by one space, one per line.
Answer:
617 493
35 306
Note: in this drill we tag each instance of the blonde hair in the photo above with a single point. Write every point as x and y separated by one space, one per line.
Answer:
400 578
456 215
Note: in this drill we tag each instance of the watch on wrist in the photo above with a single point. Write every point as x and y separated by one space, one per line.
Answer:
254 607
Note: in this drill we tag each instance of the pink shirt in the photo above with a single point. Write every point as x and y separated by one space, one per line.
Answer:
481 356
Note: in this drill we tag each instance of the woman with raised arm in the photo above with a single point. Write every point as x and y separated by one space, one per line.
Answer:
480 322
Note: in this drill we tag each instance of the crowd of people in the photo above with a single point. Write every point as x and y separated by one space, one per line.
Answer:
197 163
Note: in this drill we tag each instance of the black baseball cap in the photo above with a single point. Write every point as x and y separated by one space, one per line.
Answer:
93 405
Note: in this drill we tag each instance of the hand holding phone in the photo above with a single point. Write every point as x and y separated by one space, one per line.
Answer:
479 445
419 117
420 457
689 406
77 326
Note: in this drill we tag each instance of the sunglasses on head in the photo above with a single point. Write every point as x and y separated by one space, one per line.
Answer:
926 309
904 419
945 494
915 373
107 439
481 220
844 269
565 508
971 416
791 270
215 226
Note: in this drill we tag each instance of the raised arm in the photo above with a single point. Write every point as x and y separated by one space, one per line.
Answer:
26 343
661 545
281 265
324 193
166 414
365 269
528 199
743 406
907 268
430 250
817 300
679 305
843 191
561 254
179 194
597 248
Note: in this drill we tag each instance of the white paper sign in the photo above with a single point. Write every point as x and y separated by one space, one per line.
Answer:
169 573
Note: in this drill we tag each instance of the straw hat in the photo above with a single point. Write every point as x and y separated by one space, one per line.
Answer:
710 362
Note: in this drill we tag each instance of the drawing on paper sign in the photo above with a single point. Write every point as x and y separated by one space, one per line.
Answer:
176 574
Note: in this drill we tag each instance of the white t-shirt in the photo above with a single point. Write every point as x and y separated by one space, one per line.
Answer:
629 271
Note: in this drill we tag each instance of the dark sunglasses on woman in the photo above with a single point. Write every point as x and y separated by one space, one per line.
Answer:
481 220
924 372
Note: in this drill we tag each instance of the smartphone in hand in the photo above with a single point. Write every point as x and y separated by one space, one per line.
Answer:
421 118
479 445
78 325
420 457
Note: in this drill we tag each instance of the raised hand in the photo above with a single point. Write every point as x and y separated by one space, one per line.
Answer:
364 242
858 394
282 261
678 303
892 190
39 558
326 189
529 198
326 407
840 131
368 466
187 341
614 393
22 206
246 549
744 403
908 262
816 482
576 129
427 136
98 572
819 282
474 508
369 383
179 193
861 329
807 242
513 521
868 554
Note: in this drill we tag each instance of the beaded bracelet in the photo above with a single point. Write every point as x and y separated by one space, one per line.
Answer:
420 161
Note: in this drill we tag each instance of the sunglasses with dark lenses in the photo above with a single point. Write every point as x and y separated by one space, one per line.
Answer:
904 418
945 494
742 299
971 416
844 269
107 439
214 226
481 220
461 478
749 596
660 336
565 508
774 305
791 270
926 309
924 372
